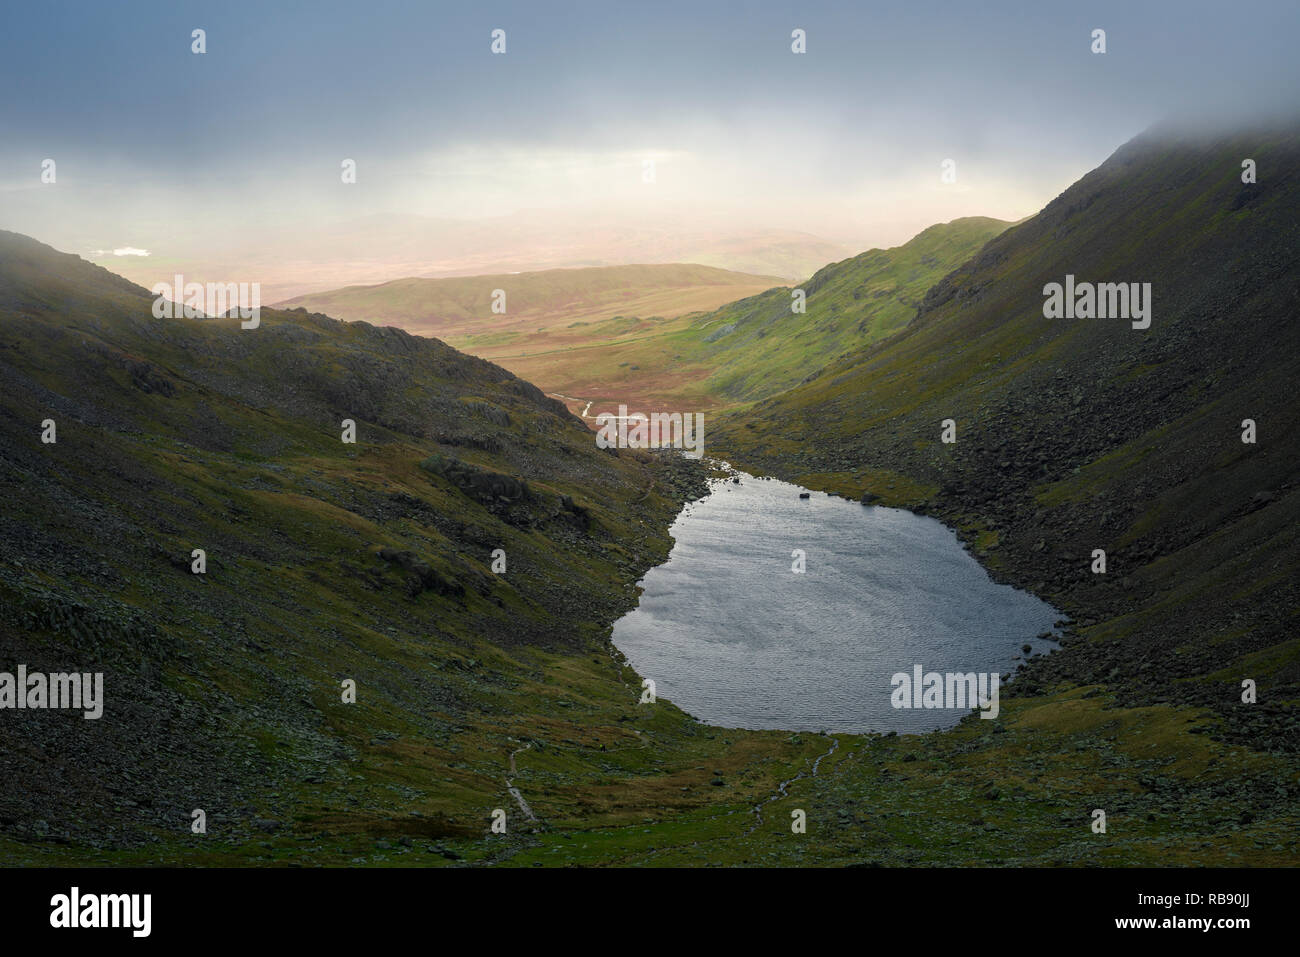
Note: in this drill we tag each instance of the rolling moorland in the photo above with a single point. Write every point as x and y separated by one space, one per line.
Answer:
674 338
563 328
371 561
383 247
459 310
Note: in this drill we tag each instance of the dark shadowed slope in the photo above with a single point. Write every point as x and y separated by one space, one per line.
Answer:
1083 434
325 561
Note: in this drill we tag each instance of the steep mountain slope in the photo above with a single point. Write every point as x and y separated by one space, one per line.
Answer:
1083 434
758 346
326 561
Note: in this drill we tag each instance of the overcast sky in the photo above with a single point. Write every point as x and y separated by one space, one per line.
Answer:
158 148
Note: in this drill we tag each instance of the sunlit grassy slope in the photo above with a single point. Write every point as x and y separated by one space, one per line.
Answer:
760 346
756 346
669 337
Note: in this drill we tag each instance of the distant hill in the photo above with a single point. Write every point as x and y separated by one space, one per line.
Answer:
461 309
661 336
291 261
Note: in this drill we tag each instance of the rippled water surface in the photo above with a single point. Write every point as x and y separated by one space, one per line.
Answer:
732 635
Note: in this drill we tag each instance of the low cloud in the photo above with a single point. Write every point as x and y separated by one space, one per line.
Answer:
119 251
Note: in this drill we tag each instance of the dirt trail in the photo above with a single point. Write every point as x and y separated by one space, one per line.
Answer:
781 792
781 788
514 791
574 398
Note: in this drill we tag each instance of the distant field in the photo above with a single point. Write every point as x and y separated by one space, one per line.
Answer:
570 331
677 337
460 309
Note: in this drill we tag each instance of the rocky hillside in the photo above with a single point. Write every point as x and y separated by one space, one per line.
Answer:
325 560
1081 434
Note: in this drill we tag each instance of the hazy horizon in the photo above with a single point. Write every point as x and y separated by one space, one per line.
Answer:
470 161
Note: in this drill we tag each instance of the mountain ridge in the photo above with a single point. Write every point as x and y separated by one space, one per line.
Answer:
1160 472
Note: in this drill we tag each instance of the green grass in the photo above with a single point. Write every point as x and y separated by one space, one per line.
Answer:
233 680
